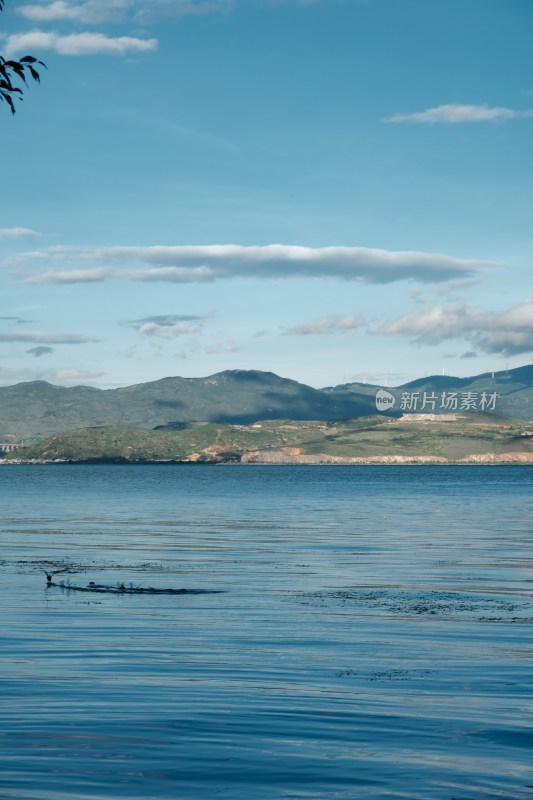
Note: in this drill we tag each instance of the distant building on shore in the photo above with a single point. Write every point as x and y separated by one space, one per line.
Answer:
8 447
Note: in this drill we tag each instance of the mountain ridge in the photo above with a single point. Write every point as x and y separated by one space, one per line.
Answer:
33 410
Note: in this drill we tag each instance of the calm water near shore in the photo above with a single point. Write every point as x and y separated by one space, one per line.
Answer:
372 637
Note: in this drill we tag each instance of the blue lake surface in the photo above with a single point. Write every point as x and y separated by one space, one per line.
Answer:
372 637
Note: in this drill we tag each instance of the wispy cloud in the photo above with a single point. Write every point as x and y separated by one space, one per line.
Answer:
89 12
40 350
508 332
166 319
196 264
195 135
326 325
168 326
456 113
77 44
96 11
72 375
15 320
97 275
17 233
44 337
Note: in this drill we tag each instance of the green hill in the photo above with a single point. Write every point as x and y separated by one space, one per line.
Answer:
474 437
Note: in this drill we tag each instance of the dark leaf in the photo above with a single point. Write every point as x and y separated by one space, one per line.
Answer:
9 101
18 68
35 75
7 87
27 60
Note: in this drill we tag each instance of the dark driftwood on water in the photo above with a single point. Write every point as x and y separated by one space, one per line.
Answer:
122 589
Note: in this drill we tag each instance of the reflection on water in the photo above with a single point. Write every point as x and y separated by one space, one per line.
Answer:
371 637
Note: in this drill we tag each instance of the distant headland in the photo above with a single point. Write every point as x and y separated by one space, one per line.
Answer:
247 416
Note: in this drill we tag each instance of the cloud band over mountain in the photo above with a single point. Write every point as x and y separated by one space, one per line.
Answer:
203 263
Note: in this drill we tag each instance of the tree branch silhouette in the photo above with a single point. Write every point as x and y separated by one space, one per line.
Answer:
13 73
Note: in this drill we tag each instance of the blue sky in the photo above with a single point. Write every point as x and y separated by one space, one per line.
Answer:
331 190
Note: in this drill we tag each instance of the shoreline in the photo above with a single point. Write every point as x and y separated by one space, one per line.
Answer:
486 459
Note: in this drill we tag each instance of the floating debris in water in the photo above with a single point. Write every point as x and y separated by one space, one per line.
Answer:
480 607
121 588
103 588
387 675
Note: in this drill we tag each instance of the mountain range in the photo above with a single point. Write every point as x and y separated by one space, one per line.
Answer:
34 410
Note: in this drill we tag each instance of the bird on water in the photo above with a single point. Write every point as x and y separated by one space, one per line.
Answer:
50 575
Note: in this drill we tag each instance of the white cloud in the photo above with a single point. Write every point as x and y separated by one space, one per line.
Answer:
72 276
45 337
88 12
430 325
326 325
76 44
17 233
508 332
456 113
193 264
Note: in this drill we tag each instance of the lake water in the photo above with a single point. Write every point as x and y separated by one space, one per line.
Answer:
372 637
